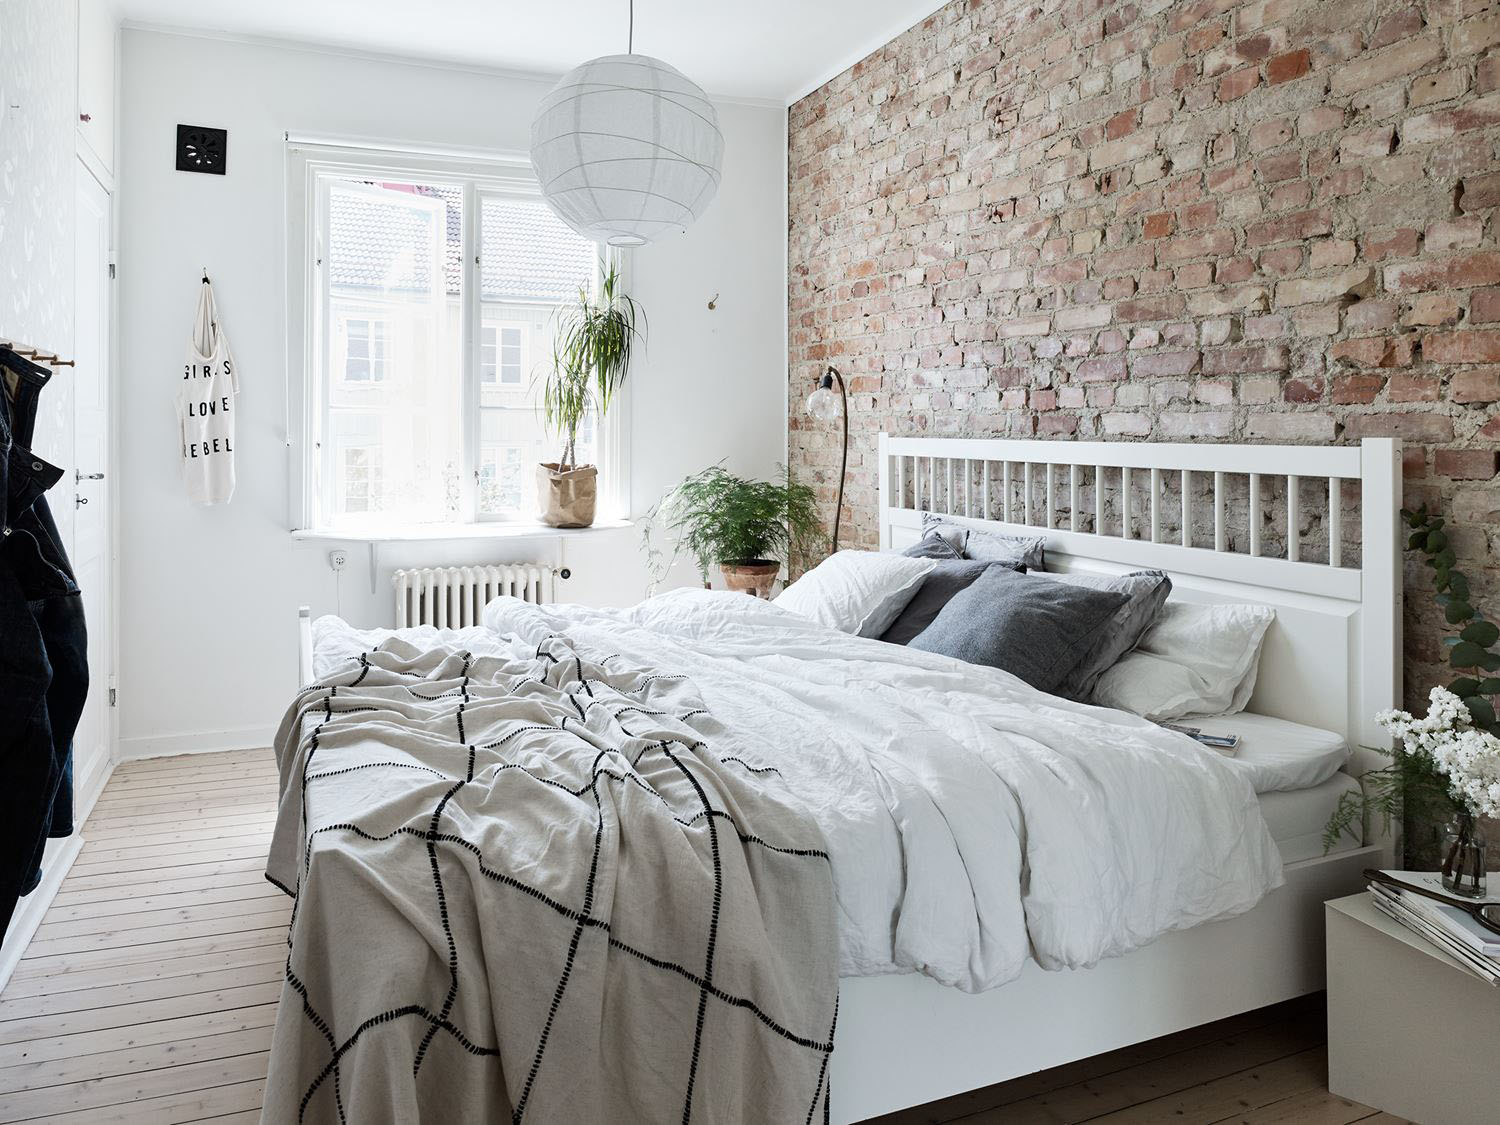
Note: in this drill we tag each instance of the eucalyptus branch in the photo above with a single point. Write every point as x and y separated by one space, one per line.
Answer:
1472 650
1415 785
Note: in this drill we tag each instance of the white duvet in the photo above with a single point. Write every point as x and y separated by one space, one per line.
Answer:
972 821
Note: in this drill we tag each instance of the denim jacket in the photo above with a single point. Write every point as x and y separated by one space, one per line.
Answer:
43 645
29 535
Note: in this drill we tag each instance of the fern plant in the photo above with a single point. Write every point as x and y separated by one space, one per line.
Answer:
721 518
1411 787
591 353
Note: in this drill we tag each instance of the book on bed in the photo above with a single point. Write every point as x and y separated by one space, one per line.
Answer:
1225 744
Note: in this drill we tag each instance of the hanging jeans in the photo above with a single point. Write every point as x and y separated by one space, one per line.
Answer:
43 646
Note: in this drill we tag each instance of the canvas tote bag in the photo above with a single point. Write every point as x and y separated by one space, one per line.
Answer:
205 407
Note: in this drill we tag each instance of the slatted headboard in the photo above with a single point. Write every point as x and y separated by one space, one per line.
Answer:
1309 530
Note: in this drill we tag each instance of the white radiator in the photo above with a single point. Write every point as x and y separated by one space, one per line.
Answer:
452 597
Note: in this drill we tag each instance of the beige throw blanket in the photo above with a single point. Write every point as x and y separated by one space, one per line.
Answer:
529 888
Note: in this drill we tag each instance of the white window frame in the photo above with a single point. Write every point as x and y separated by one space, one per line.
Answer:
310 165
484 330
349 445
499 328
500 345
500 462
378 367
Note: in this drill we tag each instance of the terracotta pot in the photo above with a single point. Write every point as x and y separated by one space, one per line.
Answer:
566 497
751 576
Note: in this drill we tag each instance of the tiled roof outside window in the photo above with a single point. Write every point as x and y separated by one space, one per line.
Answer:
529 254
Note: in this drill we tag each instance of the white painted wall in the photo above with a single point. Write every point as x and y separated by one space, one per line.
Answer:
38 112
98 50
208 596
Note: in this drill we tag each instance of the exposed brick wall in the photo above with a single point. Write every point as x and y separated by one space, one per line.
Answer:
1270 220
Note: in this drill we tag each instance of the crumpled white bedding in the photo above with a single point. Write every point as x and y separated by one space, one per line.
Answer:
972 821
335 641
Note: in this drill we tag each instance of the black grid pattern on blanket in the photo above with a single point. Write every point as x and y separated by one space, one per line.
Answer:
482 749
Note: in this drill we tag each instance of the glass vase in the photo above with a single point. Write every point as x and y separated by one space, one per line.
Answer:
1463 857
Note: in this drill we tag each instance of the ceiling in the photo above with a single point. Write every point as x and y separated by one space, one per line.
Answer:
774 50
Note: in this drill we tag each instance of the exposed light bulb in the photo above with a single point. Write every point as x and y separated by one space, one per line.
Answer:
823 404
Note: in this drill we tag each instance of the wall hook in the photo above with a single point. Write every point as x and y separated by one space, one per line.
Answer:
713 302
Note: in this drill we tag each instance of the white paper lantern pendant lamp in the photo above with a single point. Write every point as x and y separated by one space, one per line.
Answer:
627 149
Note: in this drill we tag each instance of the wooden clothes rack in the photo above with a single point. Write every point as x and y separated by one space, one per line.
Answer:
38 354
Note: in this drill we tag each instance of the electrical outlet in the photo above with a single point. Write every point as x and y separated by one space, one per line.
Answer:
338 559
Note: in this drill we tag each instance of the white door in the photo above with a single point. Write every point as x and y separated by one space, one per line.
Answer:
88 480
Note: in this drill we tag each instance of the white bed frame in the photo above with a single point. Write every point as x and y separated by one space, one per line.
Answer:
1331 660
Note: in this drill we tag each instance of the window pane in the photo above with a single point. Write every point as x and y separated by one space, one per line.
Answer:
361 477
364 350
505 471
358 452
394 418
530 263
487 354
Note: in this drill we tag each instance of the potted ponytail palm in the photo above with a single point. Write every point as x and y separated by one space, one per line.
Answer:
591 354
748 528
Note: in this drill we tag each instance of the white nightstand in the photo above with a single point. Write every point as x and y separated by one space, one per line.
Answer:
1409 1030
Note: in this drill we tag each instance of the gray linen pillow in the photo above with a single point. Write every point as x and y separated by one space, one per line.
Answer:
941 585
932 546
1147 590
1035 629
974 543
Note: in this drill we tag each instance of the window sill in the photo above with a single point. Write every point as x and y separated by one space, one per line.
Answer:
450 532
374 540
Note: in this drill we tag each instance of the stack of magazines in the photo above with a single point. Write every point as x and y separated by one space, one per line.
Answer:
1448 925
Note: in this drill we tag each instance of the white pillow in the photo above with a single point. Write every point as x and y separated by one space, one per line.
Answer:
859 592
1194 660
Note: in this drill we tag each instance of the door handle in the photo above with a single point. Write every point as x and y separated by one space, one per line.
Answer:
87 476
80 500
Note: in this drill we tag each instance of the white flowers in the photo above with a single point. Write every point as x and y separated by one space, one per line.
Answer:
1469 758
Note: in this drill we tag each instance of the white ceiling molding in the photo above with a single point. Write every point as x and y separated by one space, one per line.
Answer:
768 54
543 78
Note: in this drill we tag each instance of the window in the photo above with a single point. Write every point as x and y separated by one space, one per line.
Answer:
500 480
427 301
361 478
500 354
364 351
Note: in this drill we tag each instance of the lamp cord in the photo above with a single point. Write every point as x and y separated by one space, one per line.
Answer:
838 507
630 35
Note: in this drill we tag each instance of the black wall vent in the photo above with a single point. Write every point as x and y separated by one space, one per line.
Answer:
201 149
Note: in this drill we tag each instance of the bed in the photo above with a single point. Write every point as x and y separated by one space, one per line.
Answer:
982 1011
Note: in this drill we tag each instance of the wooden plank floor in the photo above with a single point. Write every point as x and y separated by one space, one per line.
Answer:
150 990
1265 1066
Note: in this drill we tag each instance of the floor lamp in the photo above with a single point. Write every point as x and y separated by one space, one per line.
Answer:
823 406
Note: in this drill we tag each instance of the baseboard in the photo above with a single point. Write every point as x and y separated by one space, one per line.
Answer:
55 867
86 790
32 908
197 742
